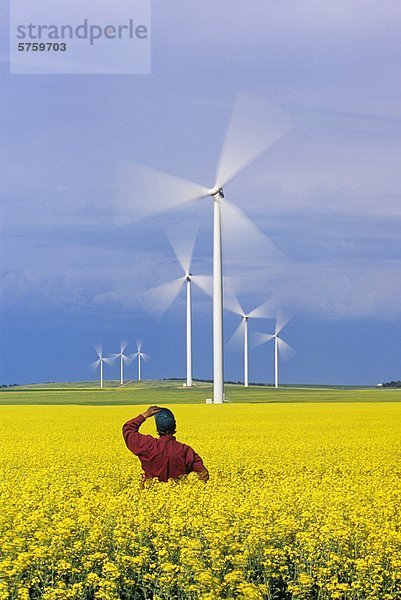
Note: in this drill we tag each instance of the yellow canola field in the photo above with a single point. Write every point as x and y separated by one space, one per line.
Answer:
303 502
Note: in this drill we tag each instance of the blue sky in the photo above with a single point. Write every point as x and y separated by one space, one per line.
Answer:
327 195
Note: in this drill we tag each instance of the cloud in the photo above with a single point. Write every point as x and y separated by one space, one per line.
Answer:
343 164
341 54
71 276
343 291
329 290
327 194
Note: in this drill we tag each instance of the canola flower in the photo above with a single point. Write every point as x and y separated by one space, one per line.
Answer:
303 502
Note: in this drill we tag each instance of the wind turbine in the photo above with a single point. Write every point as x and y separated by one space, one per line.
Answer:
252 129
162 296
264 311
280 346
100 361
124 358
140 355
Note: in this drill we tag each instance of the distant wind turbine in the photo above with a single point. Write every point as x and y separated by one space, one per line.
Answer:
140 355
159 299
100 361
264 311
280 346
124 358
144 192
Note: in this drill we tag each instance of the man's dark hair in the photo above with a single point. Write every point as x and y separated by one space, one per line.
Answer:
165 422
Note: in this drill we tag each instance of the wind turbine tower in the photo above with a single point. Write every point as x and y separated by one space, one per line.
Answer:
218 361
99 363
280 346
140 355
246 352
189 330
158 299
124 358
264 311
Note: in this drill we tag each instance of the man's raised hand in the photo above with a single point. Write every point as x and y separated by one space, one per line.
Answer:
151 411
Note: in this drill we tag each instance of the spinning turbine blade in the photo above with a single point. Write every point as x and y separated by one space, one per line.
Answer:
282 318
142 191
285 350
146 357
139 344
244 242
261 338
109 360
232 303
123 346
127 359
159 299
99 350
94 365
183 241
236 341
254 126
264 311
204 283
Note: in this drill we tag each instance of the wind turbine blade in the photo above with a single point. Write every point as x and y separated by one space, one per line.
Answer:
244 243
204 283
108 360
236 341
183 241
232 303
282 318
99 349
143 191
114 356
254 126
261 338
133 356
159 299
286 351
127 359
139 344
123 346
146 357
266 310
94 365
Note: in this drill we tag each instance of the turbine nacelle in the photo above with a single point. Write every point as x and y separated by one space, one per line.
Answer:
216 192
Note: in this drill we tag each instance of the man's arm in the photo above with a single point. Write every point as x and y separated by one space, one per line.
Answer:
135 441
195 464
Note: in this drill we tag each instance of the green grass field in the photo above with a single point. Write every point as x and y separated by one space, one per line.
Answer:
173 392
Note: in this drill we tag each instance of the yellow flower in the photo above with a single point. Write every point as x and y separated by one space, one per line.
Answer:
302 497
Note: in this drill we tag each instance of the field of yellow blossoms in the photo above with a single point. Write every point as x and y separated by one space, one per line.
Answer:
304 502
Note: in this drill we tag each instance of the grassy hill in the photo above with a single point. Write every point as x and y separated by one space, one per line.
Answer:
173 392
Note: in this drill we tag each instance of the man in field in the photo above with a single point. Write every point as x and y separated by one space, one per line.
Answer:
164 458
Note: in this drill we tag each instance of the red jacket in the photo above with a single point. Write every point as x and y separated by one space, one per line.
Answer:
163 458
